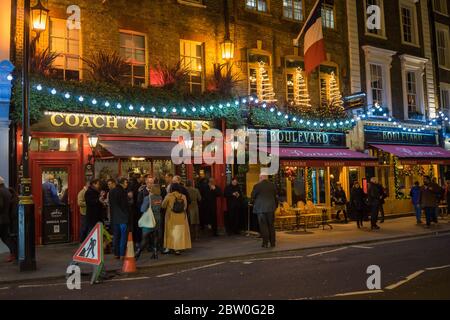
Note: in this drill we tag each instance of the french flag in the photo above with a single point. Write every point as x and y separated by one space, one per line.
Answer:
314 45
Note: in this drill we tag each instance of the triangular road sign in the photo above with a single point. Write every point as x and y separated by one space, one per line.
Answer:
91 250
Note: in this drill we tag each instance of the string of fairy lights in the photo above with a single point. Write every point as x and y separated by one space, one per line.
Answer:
376 112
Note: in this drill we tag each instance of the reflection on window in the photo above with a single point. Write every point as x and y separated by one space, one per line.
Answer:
328 15
191 56
293 9
66 43
54 144
258 5
376 82
132 49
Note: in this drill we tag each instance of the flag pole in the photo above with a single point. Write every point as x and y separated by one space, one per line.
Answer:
296 40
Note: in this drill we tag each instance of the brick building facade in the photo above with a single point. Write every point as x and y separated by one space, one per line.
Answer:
265 29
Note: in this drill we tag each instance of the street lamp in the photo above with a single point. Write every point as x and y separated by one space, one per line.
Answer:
39 15
26 219
227 46
93 142
227 49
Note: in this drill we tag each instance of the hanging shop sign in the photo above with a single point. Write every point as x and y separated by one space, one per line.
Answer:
382 135
55 224
110 124
295 138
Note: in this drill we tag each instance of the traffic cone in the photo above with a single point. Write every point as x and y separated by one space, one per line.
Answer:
129 263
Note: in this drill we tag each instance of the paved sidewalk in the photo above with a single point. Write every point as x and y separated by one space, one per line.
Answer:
52 260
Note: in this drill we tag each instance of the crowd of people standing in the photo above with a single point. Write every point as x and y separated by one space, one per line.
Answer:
179 211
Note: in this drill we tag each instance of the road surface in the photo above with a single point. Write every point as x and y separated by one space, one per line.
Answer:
417 268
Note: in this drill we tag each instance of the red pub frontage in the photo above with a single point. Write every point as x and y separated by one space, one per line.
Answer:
60 147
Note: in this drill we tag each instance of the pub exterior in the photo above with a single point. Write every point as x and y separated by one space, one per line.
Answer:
404 153
61 146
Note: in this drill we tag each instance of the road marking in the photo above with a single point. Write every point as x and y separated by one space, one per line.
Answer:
127 279
325 252
27 286
357 293
165 275
4 288
362 247
437 268
408 278
266 259
202 267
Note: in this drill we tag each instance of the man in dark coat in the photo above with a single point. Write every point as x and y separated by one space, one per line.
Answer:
265 202
5 220
94 207
118 202
375 196
233 194
209 200
202 186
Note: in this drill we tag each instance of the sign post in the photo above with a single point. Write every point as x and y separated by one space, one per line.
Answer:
91 252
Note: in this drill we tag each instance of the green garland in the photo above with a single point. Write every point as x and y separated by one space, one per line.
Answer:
398 193
309 182
264 118
44 100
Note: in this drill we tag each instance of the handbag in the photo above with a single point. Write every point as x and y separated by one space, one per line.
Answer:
148 219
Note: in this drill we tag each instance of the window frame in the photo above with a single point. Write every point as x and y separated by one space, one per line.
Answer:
291 71
146 68
193 3
445 5
65 54
415 65
409 4
203 64
443 28
334 15
254 65
444 87
293 19
255 9
327 78
382 57
383 23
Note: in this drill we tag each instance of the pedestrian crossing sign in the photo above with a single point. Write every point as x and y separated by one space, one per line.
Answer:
91 250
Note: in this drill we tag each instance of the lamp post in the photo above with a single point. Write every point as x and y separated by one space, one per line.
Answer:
26 232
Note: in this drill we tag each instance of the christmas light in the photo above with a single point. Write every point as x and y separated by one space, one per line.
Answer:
80 98
119 106
142 109
53 91
153 109
107 104
39 87
174 110
94 102
194 109
184 110
9 77
164 109
131 107
67 95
